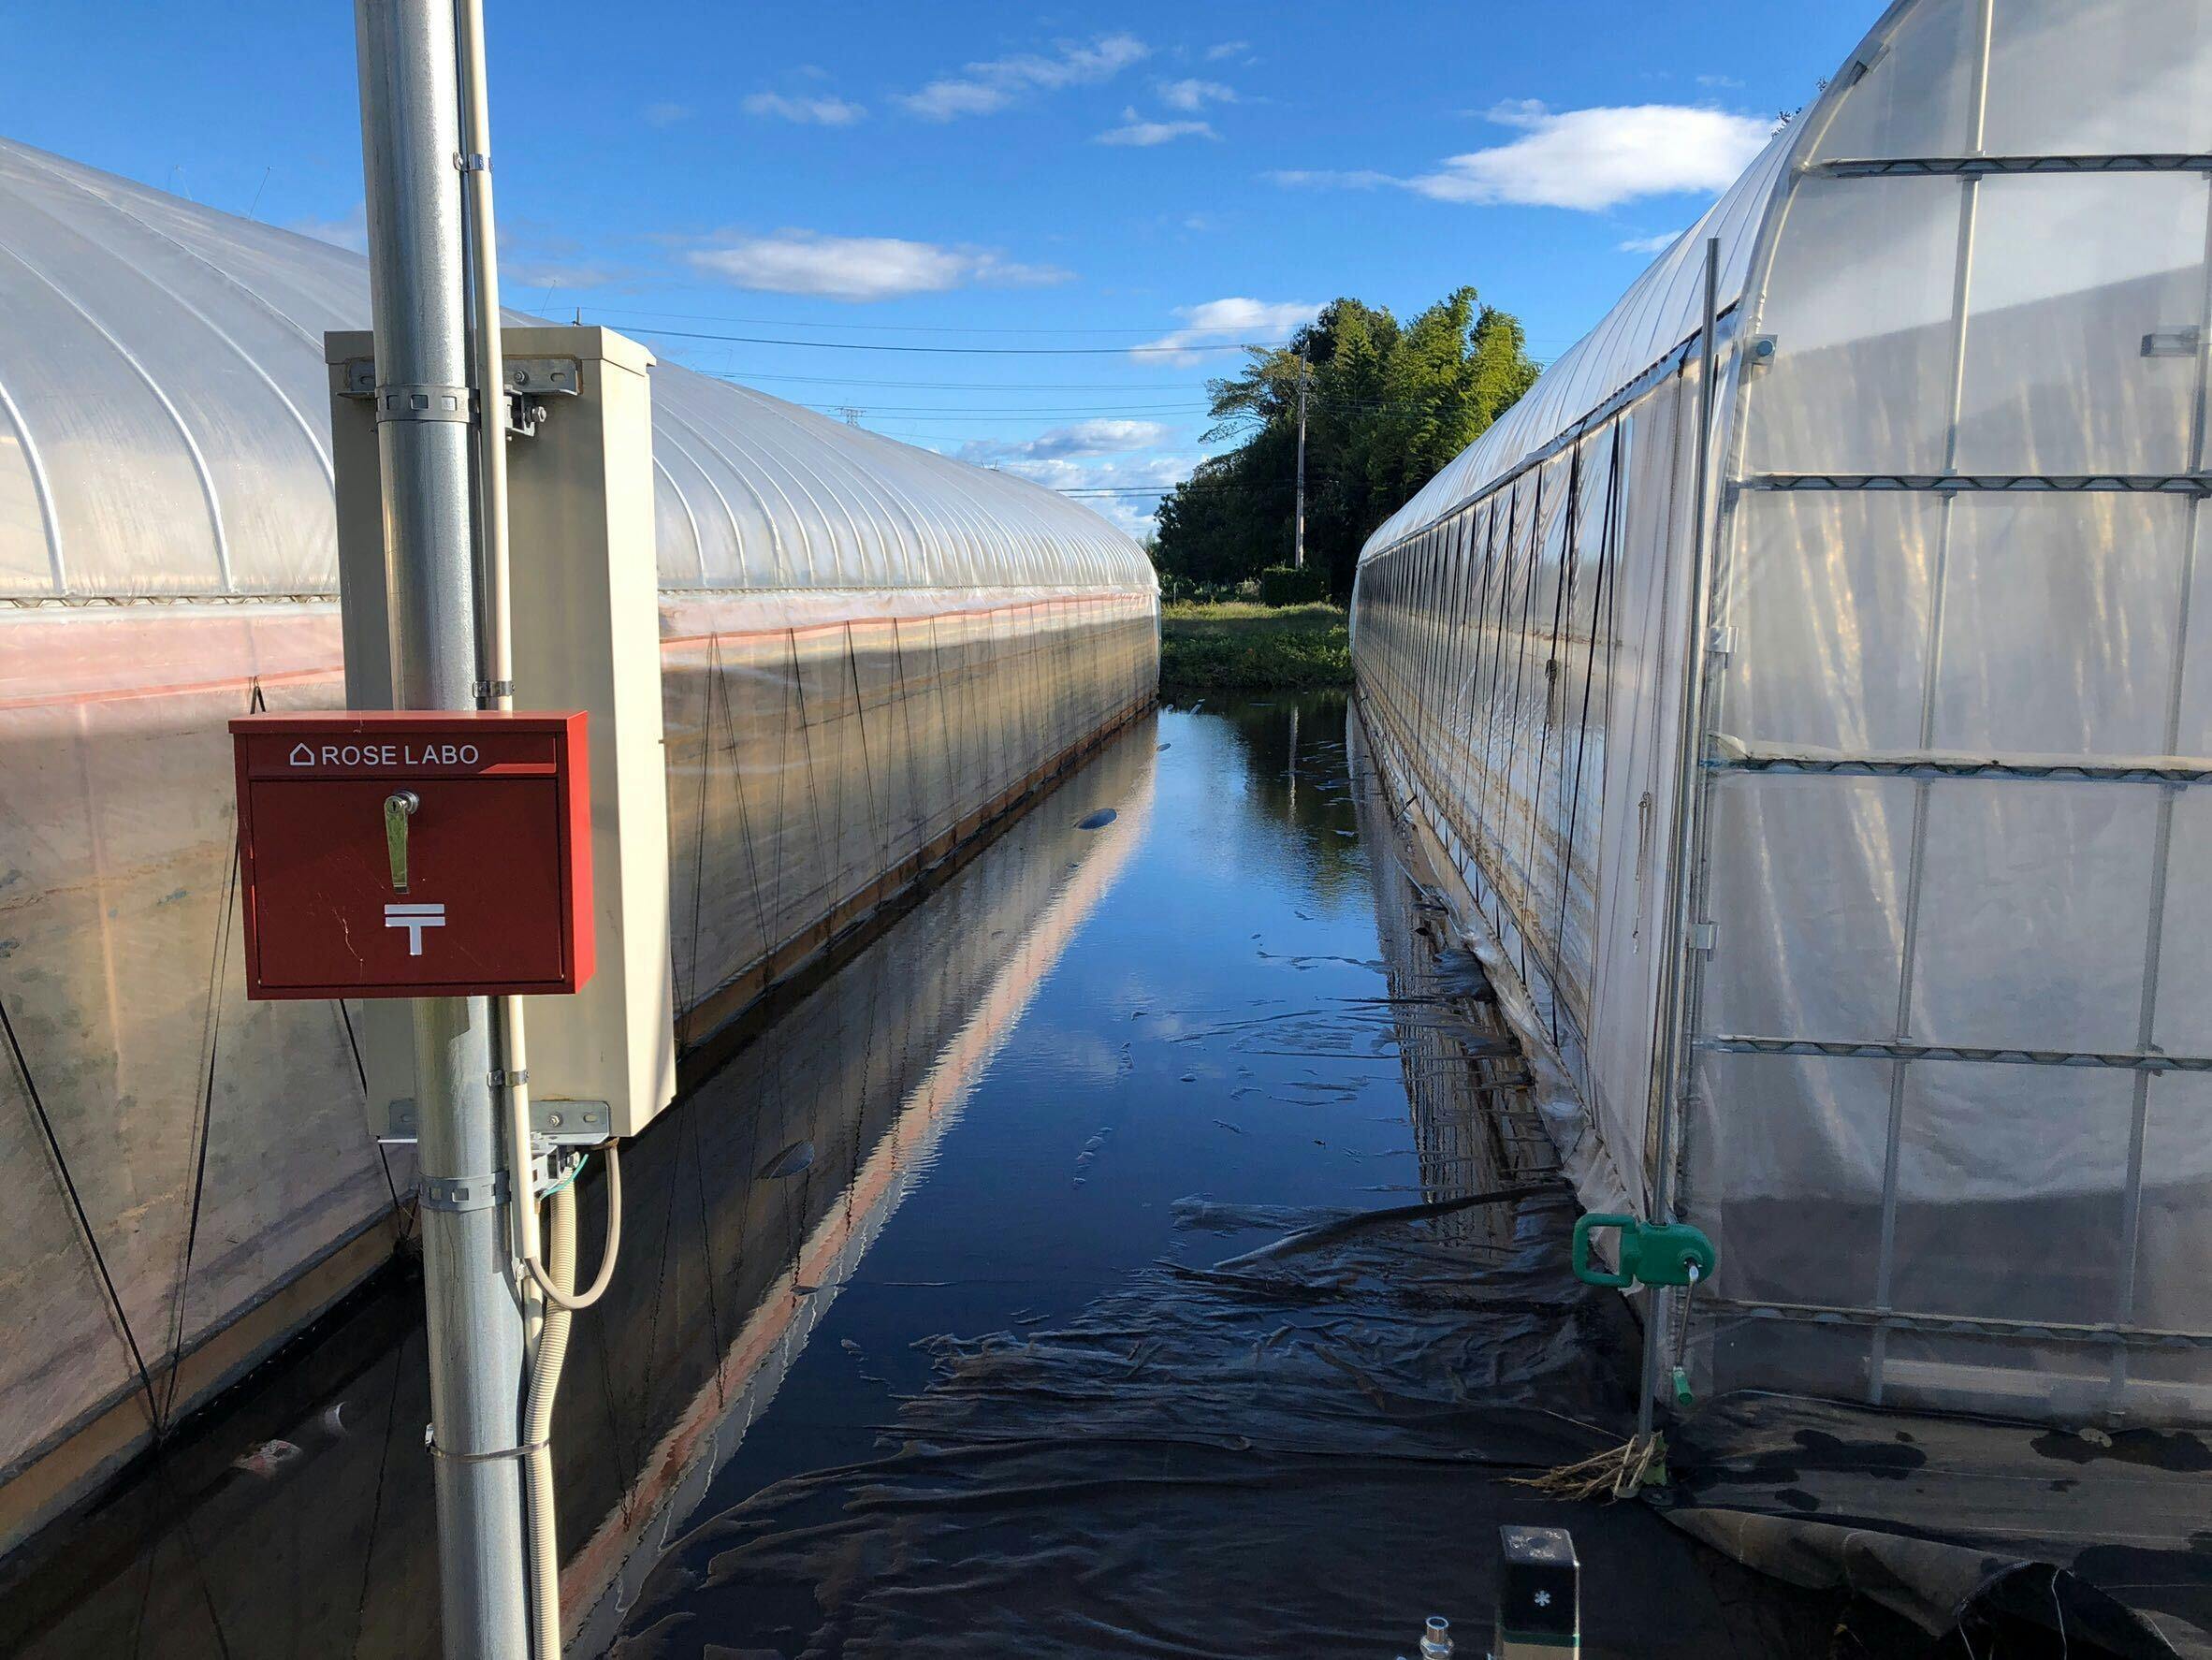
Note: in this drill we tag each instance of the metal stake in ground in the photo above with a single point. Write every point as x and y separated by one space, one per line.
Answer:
409 124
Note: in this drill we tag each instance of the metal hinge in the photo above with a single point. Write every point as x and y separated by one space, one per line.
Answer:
2173 342
571 1121
532 380
587 1122
545 377
1720 640
1704 936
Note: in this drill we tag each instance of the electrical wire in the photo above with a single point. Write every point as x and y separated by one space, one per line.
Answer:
569 1180
1162 350
1151 328
575 1302
743 377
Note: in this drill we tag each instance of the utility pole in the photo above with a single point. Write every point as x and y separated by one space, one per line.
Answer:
1298 538
412 159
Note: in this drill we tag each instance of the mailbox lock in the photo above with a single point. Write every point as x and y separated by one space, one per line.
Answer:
399 806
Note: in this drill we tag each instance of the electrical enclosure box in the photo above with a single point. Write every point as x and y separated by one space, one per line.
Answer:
585 603
414 855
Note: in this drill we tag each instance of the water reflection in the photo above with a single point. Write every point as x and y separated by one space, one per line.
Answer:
299 1519
986 1122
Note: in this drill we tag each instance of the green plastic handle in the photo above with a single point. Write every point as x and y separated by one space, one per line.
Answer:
1598 1277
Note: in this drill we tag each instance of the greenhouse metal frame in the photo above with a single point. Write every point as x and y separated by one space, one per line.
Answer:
1836 823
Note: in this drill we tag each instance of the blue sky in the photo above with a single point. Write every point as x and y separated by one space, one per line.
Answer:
1058 186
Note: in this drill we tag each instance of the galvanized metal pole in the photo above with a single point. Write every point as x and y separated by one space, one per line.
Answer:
410 132
1298 539
1672 1069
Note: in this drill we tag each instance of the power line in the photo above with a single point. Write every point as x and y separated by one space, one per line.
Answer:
1152 328
1162 489
860 346
743 378
918 411
1558 343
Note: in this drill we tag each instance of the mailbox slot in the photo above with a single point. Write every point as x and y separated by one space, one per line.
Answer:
413 854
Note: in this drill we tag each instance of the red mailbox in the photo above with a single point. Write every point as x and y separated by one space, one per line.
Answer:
413 854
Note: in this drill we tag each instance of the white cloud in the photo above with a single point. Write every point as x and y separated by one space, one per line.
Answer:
1227 49
1338 177
985 88
351 230
518 277
1658 244
1587 159
666 115
1102 437
1194 94
857 268
1719 80
1135 130
1223 326
817 110
1125 492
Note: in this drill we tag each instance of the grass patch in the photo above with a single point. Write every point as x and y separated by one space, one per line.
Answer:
1221 647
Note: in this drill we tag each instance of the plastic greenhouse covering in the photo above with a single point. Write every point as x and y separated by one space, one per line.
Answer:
869 652
1842 835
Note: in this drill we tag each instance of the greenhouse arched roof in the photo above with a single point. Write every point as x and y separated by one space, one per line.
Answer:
164 396
1661 309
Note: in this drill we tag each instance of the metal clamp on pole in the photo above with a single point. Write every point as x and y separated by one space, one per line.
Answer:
1658 1253
485 1458
1649 1253
465 1193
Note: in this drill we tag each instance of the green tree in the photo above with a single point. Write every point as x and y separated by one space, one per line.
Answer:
1387 405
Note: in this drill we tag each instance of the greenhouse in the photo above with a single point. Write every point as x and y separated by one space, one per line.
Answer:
1815 710
870 654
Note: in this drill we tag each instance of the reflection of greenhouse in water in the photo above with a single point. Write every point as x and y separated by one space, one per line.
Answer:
747 1208
1475 1127
1844 830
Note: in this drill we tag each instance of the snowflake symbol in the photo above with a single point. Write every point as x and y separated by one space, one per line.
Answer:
1543 1599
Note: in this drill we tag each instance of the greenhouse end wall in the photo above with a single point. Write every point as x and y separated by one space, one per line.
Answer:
1944 1063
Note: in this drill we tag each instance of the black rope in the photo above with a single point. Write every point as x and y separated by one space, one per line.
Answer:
1600 619
798 680
689 993
175 1505
906 705
880 827
92 1242
402 1211
753 864
383 1457
203 1125
1563 599
714 1314
1497 661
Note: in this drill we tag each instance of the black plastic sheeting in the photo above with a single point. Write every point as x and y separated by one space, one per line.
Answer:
2001 1537
1302 1452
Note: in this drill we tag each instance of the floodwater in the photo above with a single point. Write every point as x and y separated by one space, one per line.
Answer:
992 1299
